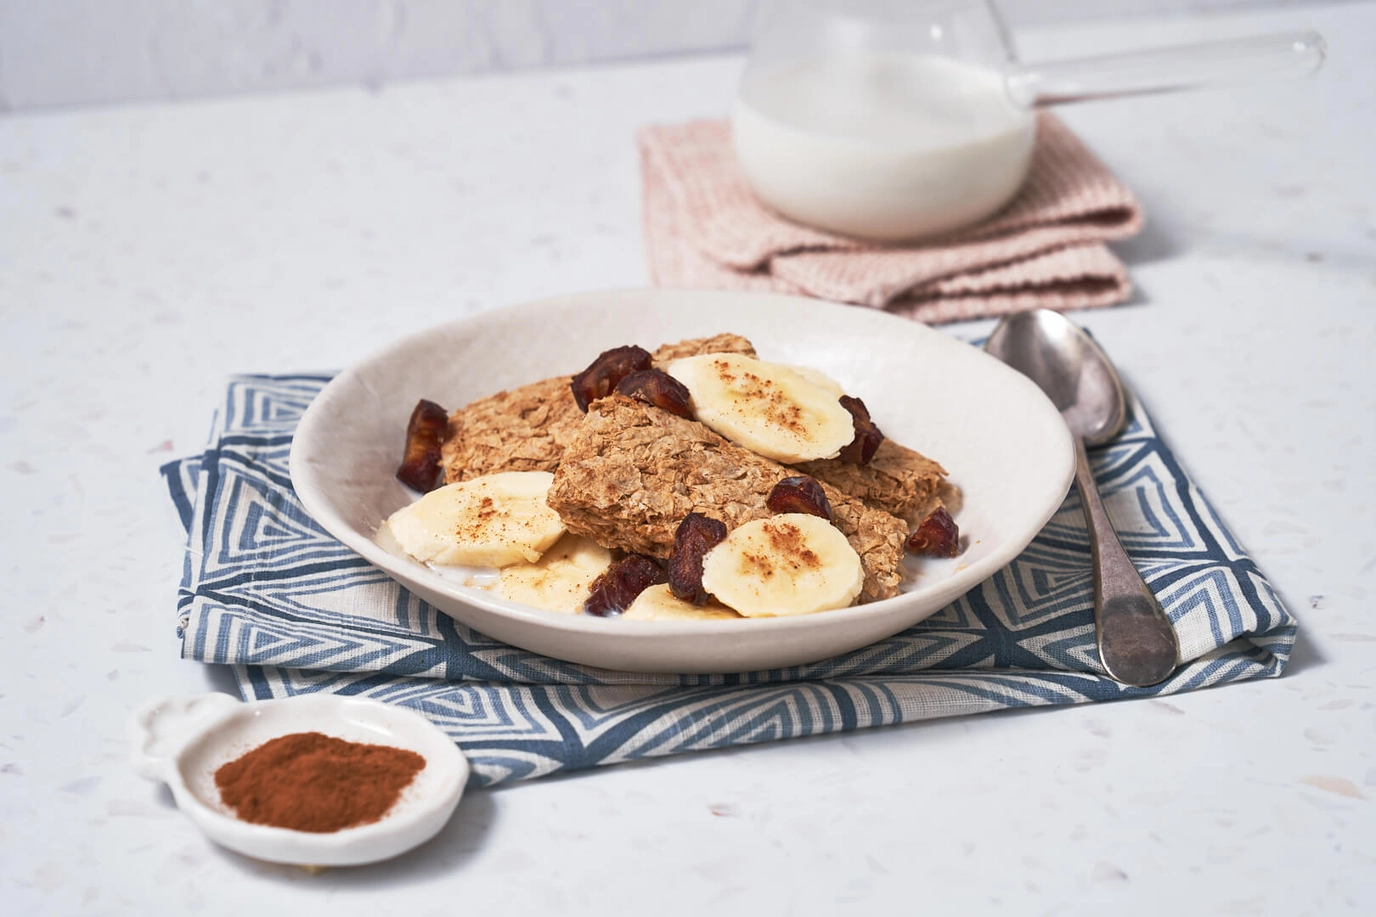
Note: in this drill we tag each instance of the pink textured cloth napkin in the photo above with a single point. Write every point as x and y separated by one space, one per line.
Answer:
705 229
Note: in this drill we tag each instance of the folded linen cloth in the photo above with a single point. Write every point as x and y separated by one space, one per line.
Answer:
269 592
705 229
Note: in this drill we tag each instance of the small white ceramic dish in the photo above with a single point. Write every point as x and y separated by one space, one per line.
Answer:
1000 439
182 741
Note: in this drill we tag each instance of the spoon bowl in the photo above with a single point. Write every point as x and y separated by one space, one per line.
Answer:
1137 644
1069 366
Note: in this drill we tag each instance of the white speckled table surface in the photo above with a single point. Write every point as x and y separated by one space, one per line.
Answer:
147 252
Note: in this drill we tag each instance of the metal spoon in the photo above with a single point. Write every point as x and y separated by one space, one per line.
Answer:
1136 642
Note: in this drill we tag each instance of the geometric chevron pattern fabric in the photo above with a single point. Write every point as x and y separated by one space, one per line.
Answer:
269 592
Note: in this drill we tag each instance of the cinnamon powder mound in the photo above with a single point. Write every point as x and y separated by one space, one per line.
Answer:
309 781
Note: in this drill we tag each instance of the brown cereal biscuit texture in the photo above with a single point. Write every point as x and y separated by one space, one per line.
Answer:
719 343
897 480
527 428
632 472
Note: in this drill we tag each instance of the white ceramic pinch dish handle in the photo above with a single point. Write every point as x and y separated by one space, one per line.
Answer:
183 741
159 730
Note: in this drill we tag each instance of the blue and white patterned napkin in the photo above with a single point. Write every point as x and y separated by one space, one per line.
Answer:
269 592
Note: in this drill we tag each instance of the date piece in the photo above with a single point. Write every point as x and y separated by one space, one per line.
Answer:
800 494
867 435
658 388
615 590
936 536
602 375
420 464
696 535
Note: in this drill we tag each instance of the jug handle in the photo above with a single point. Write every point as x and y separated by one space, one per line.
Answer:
1168 69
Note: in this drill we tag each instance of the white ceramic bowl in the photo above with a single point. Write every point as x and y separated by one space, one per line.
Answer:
182 741
1000 439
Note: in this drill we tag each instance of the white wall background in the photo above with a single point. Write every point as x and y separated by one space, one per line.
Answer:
80 52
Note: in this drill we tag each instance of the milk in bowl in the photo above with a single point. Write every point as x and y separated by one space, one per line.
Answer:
883 145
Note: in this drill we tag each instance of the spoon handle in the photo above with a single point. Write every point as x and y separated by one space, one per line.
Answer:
1136 642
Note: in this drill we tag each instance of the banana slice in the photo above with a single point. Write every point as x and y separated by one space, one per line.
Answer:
790 564
659 604
491 521
561 579
780 412
819 379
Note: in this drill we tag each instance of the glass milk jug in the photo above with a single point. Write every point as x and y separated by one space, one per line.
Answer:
895 120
